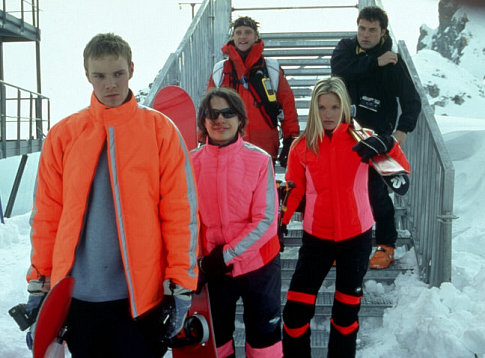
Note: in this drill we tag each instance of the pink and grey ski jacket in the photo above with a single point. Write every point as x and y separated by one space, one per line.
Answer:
237 204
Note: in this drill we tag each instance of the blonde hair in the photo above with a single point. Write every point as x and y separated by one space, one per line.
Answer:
106 44
314 130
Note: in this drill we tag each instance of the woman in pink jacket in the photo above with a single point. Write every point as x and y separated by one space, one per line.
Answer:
238 214
325 167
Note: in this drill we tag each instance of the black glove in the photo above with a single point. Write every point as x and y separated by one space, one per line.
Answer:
372 146
38 290
283 157
175 305
282 231
213 264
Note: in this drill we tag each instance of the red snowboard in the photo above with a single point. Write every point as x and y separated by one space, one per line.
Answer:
51 319
176 104
207 349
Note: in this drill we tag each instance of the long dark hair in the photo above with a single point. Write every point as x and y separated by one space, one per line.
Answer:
233 100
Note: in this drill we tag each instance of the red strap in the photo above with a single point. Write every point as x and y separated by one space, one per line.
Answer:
301 297
347 299
296 332
345 330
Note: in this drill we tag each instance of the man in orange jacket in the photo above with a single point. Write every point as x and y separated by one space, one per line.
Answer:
115 208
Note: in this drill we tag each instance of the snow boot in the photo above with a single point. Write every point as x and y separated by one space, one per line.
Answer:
382 258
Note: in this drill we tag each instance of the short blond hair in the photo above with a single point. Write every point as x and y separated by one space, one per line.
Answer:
106 44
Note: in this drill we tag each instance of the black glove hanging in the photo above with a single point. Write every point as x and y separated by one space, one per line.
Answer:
282 231
283 157
372 146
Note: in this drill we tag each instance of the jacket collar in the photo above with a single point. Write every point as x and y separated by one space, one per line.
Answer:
106 115
226 150
383 46
242 67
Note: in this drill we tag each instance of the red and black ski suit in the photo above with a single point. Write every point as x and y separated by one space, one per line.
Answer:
337 226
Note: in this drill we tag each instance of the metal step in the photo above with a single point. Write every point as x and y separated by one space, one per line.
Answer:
266 36
308 71
298 52
299 43
372 305
386 276
301 82
316 61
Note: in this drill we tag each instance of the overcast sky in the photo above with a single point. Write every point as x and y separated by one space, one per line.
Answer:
153 28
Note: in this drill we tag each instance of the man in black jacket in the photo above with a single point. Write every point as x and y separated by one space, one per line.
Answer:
376 77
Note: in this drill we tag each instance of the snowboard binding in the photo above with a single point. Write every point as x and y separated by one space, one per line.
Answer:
195 331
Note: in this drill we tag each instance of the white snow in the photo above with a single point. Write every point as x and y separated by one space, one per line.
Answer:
447 321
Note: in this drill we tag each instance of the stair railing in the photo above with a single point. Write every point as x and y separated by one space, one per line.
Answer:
25 118
429 202
191 64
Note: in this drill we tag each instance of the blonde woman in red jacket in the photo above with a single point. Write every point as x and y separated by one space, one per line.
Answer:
238 214
337 225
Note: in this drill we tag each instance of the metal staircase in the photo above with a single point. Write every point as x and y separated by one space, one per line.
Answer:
423 216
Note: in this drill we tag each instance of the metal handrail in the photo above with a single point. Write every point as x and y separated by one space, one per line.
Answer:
191 64
26 107
429 203
34 10
295 7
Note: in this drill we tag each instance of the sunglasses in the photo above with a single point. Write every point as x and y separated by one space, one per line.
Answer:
226 113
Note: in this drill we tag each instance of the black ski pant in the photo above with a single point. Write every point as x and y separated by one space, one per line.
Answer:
382 209
106 329
260 291
315 260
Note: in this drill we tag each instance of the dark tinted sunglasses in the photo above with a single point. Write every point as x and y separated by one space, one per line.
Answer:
226 113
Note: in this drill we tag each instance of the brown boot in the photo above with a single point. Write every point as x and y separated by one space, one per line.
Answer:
382 258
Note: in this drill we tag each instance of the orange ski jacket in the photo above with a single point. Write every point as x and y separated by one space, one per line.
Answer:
154 196
259 131
335 183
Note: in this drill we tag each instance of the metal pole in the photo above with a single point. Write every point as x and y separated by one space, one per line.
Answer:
1 212
15 187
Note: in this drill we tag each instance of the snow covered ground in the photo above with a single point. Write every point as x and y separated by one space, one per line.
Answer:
448 321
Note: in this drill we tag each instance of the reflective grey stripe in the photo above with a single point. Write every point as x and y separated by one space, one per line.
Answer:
192 197
269 211
117 198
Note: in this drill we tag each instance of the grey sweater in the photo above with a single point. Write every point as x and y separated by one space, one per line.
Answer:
98 267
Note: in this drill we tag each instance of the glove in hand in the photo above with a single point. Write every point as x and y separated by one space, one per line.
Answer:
372 146
283 157
213 264
175 306
38 290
